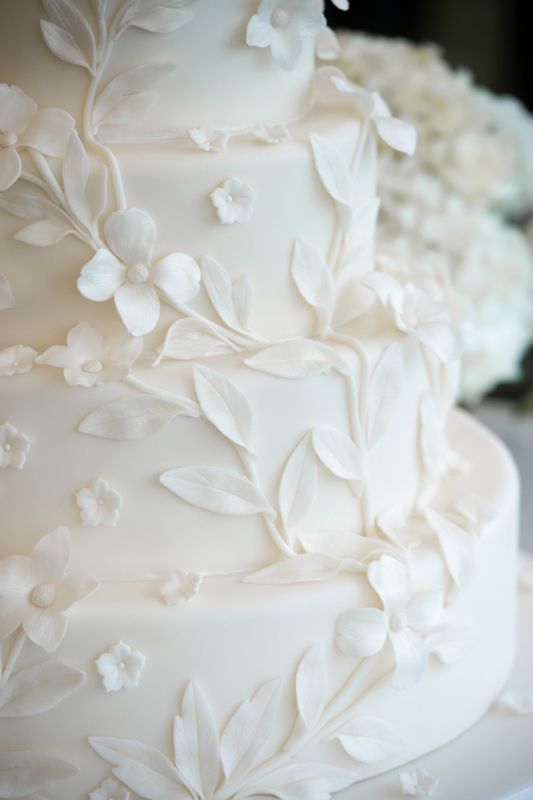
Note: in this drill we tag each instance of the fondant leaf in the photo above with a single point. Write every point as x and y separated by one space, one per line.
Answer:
346 546
304 781
128 85
224 405
220 290
196 743
157 16
27 202
313 279
297 569
134 417
216 489
298 484
243 299
456 544
43 233
337 452
22 773
335 176
68 34
249 730
370 740
38 688
75 175
385 386
191 338
298 358
311 685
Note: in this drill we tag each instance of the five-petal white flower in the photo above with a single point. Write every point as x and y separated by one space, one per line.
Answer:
405 619
99 504
88 359
417 783
181 586
234 201
110 789
125 272
16 360
282 25
37 590
23 124
14 447
120 668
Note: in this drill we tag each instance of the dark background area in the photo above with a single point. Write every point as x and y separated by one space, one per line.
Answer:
491 38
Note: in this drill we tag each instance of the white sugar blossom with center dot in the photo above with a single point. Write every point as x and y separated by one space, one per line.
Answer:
270 134
417 783
14 447
282 25
90 360
23 124
180 587
125 272
16 360
99 504
210 140
234 201
110 789
37 590
405 620
121 667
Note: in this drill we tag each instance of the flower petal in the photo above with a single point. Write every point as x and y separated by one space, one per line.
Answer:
16 109
10 167
258 32
397 134
51 555
46 628
131 235
49 131
86 340
73 588
425 612
17 578
101 276
309 19
286 48
138 306
121 350
443 339
178 276
58 356
362 632
411 657
392 581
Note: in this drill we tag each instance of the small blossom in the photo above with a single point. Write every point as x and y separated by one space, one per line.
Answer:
99 504
210 140
7 298
125 272
120 668
234 201
271 134
16 360
110 789
89 360
37 590
282 25
14 447
22 124
417 783
181 586
519 703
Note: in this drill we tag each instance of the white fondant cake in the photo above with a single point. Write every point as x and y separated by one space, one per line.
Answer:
246 549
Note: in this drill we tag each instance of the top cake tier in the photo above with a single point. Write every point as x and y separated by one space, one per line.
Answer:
217 79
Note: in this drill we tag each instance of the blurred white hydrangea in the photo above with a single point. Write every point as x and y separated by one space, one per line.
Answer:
457 201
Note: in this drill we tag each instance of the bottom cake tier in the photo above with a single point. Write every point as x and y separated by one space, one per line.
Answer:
289 689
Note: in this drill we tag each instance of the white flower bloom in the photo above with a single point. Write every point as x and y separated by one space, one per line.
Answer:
126 273
181 586
16 360
271 134
14 447
37 590
22 124
110 789
282 25
7 298
99 504
89 360
210 140
417 783
405 620
120 668
519 703
234 201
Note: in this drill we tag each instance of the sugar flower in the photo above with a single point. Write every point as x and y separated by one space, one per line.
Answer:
282 25
126 273
14 447
234 201
99 504
16 360
89 360
23 124
110 789
7 298
210 140
120 668
37 590
417 783
270 134
181 586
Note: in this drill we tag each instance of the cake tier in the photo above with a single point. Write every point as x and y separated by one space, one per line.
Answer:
233 637
218 79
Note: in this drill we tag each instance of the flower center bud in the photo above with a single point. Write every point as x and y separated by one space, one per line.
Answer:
122 665
43 596
279 18
398 621
93 366
8 139
138 273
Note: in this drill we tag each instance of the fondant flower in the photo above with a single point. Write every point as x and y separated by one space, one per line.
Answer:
110 789
125 272
181 586
121 667
37 590
234 201
88 359
99 504
16 360
282 25
14 447
404 621
210 140
417 783
23 124
270 134
418 311
7 298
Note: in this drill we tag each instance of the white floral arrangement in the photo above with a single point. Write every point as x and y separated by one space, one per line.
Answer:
463 200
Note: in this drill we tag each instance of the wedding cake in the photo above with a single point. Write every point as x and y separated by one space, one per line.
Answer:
246 548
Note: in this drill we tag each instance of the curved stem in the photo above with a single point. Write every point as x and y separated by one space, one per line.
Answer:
251 474
237 341
188 406
14 654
